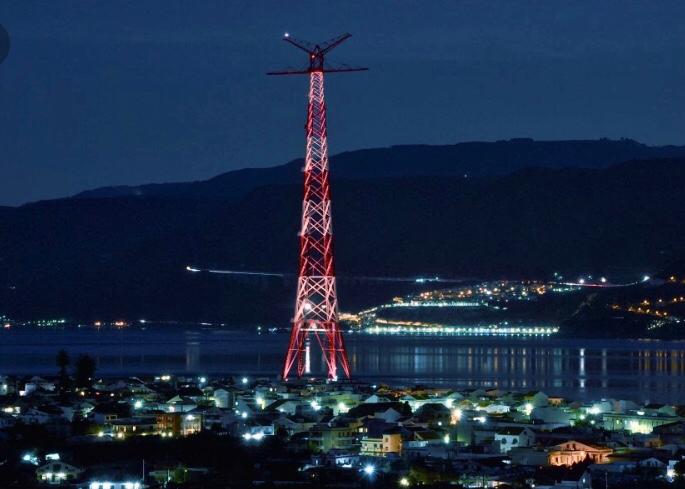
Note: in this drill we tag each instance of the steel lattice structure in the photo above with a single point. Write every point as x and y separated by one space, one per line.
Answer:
316 303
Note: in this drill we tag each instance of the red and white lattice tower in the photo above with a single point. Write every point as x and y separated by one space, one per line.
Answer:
316 305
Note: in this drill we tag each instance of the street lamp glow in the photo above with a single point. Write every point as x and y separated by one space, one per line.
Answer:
404 482
369 469
244 380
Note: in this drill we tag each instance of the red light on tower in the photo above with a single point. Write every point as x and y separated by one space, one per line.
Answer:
316 303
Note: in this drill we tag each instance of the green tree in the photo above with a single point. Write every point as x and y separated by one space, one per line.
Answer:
84 371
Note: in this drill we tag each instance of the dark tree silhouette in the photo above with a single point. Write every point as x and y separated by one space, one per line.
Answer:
84 371
62 359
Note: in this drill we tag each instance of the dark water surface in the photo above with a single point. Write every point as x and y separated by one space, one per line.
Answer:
582 369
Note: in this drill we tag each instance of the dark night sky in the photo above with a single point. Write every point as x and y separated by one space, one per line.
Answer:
98 93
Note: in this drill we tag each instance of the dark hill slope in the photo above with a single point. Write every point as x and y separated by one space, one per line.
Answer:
125 257
475 159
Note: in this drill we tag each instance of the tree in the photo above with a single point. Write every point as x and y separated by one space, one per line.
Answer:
62 359
84 371
680 468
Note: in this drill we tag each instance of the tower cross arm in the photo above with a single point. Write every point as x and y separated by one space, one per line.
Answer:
331 44
305 46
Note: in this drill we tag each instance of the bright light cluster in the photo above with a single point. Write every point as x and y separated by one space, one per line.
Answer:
415 327
110 485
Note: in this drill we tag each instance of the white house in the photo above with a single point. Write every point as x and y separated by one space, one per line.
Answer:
36 383
653 463
223 398
514 437
284 406
56 472
390 415
375 399
537 399
552 415
4 385
178 404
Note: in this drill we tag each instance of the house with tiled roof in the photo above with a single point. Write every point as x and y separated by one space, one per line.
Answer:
573 452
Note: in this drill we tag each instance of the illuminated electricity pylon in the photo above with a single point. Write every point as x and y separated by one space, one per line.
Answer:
316 304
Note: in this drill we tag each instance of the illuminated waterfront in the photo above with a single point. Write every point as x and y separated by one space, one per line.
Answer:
469 310
582 369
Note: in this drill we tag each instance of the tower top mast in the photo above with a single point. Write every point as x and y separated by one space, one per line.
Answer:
317 53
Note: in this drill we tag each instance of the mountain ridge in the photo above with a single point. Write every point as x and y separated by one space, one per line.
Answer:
473 159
